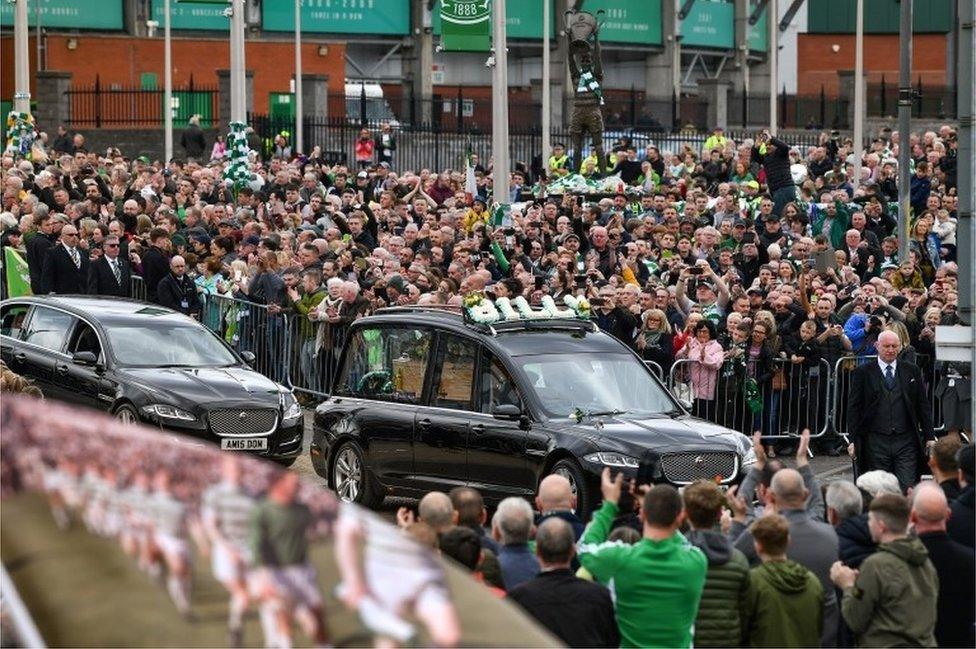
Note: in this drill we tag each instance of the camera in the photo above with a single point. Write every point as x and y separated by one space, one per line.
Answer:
695 271
539 281
580 278
597 301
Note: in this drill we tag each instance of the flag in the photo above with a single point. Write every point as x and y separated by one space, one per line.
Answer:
16 273
465 25
470 184
502 216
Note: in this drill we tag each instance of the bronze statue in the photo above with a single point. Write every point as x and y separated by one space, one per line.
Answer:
586 72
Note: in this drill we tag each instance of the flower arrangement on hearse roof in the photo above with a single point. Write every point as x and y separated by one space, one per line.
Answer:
480 309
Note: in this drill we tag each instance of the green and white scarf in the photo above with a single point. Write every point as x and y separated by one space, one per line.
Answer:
588 83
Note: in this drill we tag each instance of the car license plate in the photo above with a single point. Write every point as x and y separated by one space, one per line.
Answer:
244 444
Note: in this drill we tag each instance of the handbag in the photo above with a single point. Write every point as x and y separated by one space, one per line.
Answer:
779 379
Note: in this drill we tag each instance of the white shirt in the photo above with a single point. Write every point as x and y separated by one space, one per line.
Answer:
884 366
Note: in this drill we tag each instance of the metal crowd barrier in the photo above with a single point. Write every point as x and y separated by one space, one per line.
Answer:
313 355
138 288
250 327
655 369
803 401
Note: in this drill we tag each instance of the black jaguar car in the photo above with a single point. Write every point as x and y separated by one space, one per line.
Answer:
426 399
144 363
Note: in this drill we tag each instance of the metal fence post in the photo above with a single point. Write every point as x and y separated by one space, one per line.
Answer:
674 111
98 102
884 98
823 107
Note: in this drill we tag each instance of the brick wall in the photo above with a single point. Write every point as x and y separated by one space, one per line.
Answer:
121 59
818 63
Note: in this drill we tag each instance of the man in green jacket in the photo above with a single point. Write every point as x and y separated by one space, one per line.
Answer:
313 293
892 601
657 581
719 621
784 607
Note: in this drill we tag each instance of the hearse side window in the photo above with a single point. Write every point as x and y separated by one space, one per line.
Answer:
386 363
84 339
13 318
497 387
48 328
454 373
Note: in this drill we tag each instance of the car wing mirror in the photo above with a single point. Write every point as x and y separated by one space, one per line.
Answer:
249 357
84 358
506 411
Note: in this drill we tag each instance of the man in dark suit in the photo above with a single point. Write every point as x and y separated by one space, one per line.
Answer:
110 274
155 261
890 416
954 563
578 612
37 248
65 268
177 291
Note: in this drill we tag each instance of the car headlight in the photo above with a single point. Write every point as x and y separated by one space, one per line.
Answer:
164 411
291 408
612 459
749 458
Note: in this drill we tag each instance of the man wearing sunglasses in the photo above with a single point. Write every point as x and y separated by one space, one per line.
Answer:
110 274
65 269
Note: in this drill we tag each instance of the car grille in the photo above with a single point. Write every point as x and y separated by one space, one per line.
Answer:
683 468
243 421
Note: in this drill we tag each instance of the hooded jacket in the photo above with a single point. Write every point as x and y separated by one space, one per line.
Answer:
893 601
720 612
855 542
784 607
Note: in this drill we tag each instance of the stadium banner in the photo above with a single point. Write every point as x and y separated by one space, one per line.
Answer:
16 273
758 34
73 14
710 23
465 25
339 16
192 15
627 21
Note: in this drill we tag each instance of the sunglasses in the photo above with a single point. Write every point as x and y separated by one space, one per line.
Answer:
111 245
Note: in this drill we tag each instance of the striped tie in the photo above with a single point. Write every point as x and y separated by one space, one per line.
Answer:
117 271
75 257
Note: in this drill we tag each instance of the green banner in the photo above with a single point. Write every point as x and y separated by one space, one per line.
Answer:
73 14
192 15
339 16
522 19
465 25
628 21
758 34
710 23
16 272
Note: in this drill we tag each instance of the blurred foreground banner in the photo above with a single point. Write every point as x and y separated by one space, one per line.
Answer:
126 536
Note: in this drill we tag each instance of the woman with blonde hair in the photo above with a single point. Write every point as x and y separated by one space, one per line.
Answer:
654 340
907 352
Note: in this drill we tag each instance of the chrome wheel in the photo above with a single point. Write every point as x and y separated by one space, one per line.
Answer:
126 417
348 474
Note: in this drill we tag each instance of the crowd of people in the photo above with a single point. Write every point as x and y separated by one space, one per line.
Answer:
779 561
750 268
751 264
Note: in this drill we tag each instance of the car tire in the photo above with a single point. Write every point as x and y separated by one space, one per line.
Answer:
126 415
570 469
351 480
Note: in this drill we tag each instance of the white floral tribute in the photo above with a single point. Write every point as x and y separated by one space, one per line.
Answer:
479 309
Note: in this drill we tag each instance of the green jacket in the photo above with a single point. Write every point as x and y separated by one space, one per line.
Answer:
838 226
719 621
893 602
306 302
784 607
657 584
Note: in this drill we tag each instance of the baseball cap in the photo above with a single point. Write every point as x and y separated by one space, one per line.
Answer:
384 164
362 174
571 235
751 184
396 282
739 223
252 240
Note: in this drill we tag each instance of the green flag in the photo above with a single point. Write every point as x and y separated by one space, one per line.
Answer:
502 216
16 273
466 25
